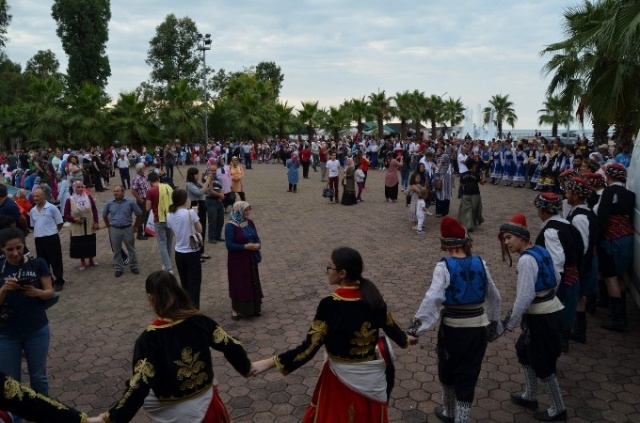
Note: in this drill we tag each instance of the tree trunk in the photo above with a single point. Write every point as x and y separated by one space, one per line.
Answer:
403 128
360 128
499 129
380 127
434 130
554 129
600 132
417 128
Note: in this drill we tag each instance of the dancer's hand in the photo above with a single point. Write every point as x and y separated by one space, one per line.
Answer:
413 340
262 366
98 419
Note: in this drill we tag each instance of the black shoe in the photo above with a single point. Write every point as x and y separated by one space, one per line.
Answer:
528 404
58 287
142 237
236 317
212 241
544 416
441 416
118 273
135 271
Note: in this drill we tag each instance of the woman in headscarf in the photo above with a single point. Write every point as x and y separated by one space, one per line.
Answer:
293 171
443 195
243 246
349 194
81 211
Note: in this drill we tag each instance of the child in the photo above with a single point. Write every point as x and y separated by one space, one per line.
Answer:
360 177
421 210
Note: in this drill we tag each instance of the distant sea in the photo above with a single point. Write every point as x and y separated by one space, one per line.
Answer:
528 133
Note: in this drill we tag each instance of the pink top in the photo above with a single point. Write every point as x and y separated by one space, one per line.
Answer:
391 175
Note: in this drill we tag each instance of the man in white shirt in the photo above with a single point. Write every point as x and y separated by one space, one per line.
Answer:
46 221
123 167
333 171
462 168
315 154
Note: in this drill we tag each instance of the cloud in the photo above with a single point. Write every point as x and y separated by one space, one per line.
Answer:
330 50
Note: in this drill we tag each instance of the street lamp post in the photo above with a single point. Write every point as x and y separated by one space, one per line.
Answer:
204 44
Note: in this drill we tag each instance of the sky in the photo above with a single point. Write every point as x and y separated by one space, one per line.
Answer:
332 50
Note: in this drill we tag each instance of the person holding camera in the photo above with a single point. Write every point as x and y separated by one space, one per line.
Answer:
25 286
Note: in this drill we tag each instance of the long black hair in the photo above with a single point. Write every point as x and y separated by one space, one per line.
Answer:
170 300
178 199
10 233
350 261
191 175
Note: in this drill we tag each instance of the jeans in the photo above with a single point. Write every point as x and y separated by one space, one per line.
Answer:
404 175
323 171
215 216
190 272
164 236
168 167
36 347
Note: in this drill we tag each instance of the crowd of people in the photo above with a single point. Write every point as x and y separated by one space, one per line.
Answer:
584 203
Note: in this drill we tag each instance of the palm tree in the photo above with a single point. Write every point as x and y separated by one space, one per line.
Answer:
131 121
555 113
42 119
219 119
335 121
284 119
419 110
453 112
503 111
180 117
434 112
404 110
382 108
251 115
309 116
87 118
360 112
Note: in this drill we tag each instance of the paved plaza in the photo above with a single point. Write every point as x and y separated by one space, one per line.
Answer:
99 317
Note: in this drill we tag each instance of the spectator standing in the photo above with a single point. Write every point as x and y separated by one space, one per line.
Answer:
81 211
305 160
117 215
237 174
196 193
158 202
9 207
214 197
333 171
123 168
46 221
139 189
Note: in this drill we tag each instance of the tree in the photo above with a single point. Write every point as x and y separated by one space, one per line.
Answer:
12 81
83 28
309 115
87 117
172 52
43 64
43 118
360 112
434 112
555 112
502 110
180 117
404 110
382 109
335 120
131 121
453 112
5 18
419 110
284 119
269 71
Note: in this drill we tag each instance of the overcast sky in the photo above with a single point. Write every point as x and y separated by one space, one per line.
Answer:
332 50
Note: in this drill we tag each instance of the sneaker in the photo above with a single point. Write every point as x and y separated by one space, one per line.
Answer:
118 273
135 271
82 267
428 213
142 237
213 241
93 263
420 232
58 287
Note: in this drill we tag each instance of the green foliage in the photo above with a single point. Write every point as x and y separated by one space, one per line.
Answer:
87 122
453 112
83 28
12 81
269 71
335 120
503 111
310 116
382 108
43 64
180 115
5 18
131 122
555 112
172 52
284 119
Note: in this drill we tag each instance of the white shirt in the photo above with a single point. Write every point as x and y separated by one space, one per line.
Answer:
179 223
461 166
45 222
333 167
420 208
123 163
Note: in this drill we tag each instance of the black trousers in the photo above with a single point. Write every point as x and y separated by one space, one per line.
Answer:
305 170
49 249
539 344
442 207
190 272
143 218
125 177
460 355
391 193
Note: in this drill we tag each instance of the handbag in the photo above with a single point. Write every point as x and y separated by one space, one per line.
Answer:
327 192
195 238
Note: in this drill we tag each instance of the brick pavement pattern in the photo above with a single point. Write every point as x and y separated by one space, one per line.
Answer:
98 318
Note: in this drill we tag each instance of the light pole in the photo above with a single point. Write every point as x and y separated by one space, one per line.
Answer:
204 44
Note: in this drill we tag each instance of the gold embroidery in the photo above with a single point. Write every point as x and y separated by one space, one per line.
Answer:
142 371
363 340
317 331
191 370
13 389
280 366
222 337
352 413
337 297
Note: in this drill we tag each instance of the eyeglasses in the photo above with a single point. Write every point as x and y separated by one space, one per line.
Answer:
330 268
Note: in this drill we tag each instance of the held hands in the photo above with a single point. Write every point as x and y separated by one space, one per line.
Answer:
258 367
412 340
99 419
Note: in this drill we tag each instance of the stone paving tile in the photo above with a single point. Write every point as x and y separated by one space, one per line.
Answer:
98 318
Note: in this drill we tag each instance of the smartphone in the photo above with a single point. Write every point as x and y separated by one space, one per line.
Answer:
22 282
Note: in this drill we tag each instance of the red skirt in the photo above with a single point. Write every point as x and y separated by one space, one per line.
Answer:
333 401
217 413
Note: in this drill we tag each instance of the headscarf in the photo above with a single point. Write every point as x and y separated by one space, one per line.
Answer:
82 200
294 157
548 202
349 162
446 163
616 171
237 213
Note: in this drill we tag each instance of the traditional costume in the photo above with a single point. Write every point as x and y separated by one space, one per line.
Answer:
463 285
537 306
496 166
615 218
585 221
173 372
520 168
564 244
352 386
509 167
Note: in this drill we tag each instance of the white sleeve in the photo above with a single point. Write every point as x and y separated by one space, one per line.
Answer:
492 300
57 216
525 289
429 311
581 222
553 245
